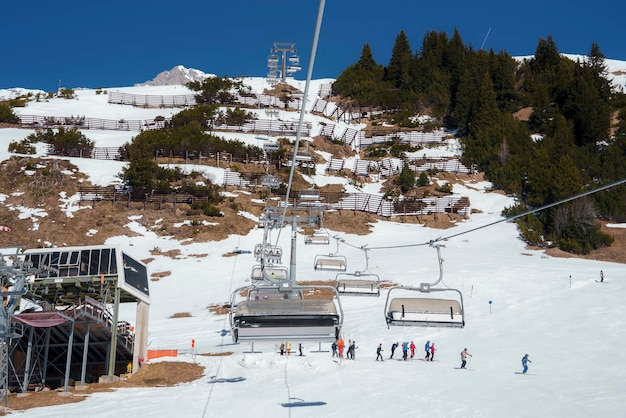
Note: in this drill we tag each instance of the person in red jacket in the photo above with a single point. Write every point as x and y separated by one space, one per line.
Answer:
432 351
412 347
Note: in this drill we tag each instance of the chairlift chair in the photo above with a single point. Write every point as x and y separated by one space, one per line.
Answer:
309 194
267 316
270 146
359 283
277 272
270 181
426 310
331 262
269 253
317 238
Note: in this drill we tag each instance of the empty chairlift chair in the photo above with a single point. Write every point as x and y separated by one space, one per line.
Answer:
331 262
426 309
317 238
359 283
275 272
268 316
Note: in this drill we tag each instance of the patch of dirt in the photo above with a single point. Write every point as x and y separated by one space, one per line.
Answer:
280 89
42 184
523 114
434 220
166 373
170 253
337 150
616 253
219 309
155 277
350 222
181 315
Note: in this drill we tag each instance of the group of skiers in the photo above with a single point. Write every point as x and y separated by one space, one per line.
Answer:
429 349
339 345
285 349
406 348
410 347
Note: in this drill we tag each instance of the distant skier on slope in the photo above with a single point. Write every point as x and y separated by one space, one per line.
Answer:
601 276
432 351
379 352
393 348
351 350
427 349
464 355
405 350
525 361
340 346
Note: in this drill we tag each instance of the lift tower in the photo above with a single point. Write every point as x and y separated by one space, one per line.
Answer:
282 62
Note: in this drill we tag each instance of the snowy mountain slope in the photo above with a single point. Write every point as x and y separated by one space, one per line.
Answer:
550 308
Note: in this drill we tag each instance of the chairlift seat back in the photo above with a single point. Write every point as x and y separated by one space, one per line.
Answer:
427 312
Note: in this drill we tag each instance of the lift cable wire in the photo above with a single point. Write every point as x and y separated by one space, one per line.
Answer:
508 219
309 75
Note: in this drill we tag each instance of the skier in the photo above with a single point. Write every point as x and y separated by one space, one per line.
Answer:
282 349
427 349
432 351
379 352
288 346
334 348
601 276
300 349
412 347
352 349
464 355
340 346
525 361
405 350
393 348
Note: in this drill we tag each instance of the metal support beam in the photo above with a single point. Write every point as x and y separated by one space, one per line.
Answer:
68 362
83 371
44 367
29 354
113 346
140 349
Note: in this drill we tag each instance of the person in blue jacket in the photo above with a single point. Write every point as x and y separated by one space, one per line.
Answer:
405 350
525 361
427 349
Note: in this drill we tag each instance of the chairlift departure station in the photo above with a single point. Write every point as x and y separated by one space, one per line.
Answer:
274 307
359 283
426 310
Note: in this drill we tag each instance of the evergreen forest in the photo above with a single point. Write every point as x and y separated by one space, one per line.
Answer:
542 129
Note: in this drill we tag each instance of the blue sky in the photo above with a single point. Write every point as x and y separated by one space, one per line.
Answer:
120 43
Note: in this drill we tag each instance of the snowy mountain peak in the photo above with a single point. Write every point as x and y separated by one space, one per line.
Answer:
177 75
